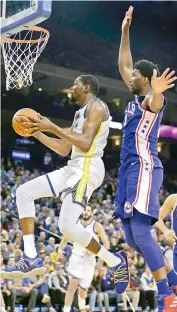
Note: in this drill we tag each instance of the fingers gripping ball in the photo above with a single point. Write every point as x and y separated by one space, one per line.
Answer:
20 117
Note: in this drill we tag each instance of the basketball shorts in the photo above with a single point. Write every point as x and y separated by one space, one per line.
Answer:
82 268
80 177
138 187
175 257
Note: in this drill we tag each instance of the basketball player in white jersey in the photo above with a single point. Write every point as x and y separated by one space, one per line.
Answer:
74 183
169 206
82 262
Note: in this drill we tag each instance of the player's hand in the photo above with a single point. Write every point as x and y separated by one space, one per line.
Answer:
38 124
128 19
164 82
170 236
60 254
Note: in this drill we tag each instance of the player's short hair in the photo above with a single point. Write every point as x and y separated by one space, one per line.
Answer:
92 81
146 68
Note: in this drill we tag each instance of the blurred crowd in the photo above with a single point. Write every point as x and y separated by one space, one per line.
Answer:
50 290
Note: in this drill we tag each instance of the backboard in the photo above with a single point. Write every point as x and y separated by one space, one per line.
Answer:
17 15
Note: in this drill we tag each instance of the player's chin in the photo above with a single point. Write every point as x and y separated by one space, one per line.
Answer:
133 91
72 100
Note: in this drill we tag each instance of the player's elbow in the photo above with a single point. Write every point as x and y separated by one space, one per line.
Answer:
64 153
86 146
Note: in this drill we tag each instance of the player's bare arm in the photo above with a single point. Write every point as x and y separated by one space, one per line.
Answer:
155 99
96 114
62 245
100 231
166 208
59 146
125 63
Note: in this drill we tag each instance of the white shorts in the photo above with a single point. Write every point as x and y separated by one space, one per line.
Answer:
83 269
80 177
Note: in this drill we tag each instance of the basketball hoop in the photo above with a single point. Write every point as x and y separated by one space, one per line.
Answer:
20 55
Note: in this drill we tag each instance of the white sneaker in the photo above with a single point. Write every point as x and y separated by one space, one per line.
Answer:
45 298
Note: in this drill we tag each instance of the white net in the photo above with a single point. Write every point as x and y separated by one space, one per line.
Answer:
20 53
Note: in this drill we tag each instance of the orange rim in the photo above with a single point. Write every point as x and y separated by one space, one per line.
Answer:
32 28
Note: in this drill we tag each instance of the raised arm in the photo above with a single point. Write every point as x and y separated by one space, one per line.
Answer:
155 99
100 231
96 114
125 63
166 208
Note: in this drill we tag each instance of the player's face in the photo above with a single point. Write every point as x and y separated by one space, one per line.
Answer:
137 82
87 213
76 91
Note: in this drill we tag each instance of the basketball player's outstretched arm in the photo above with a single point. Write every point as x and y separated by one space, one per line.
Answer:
100 231
155 99
59 146
125 63
96 114
166 208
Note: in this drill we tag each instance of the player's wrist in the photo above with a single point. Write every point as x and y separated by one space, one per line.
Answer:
125 31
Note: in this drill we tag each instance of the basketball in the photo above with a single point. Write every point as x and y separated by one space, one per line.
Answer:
20 117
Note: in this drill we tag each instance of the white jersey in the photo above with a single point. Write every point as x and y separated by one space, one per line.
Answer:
78 249
100 141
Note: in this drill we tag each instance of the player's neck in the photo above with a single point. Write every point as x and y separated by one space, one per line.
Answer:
86 99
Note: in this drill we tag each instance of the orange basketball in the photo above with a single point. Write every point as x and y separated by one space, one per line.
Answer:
20 117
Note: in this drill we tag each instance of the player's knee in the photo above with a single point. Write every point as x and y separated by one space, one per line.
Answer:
141 238
72 288
82 293
22 192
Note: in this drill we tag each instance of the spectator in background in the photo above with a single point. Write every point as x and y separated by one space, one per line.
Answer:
149 286
9 295
59 283
107 286
11 261
41 285
18 241
51 246
42 237
5 236
11 249
97 295
4 251
15 229
42 254
133 291
23 291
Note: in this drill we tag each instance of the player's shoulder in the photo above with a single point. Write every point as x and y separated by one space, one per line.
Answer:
97 103
99 107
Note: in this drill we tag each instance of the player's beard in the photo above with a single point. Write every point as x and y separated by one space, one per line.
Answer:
136 91
86 218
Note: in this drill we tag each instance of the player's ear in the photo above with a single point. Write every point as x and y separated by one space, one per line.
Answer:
145 80
87 88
